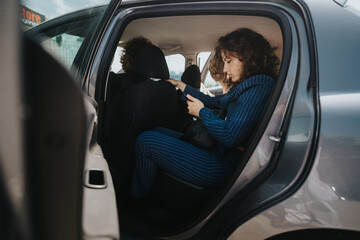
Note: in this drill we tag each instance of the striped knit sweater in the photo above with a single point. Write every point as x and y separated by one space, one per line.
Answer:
243 105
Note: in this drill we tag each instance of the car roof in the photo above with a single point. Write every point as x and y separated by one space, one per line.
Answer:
189 35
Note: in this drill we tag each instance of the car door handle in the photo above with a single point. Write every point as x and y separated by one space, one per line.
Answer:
275 139
95 178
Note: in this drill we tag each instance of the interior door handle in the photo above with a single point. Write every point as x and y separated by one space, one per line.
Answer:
275 139
95 178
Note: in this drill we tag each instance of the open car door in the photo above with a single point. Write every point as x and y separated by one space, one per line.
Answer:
54 180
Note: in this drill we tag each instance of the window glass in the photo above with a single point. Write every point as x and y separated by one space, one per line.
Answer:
176 65
209 81
65 46
116 66
201 59
65 40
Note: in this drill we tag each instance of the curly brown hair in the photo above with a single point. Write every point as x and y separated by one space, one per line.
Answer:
253 50
216 66
130 50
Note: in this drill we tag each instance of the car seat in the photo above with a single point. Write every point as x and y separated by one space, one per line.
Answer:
142 100
191 77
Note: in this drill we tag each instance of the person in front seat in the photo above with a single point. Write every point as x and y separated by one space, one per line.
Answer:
131 48
135 102
251 67
118 82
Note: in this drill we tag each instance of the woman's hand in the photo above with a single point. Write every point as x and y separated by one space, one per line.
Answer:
194 105
178 84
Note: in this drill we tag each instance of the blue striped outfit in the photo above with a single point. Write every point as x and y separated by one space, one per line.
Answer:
162 148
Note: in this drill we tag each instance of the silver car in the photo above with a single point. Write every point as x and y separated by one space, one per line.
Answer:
67 134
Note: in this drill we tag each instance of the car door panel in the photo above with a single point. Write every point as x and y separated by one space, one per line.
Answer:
100 215
59 130
54 142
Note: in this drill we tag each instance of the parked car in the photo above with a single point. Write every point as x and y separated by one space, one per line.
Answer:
68 126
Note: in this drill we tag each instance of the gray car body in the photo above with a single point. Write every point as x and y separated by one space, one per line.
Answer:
329 197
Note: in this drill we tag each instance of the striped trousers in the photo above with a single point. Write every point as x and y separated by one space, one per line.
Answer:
162 148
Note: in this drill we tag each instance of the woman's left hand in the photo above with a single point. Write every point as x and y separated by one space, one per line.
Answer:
194 105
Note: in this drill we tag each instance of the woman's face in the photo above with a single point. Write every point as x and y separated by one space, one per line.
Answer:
233 67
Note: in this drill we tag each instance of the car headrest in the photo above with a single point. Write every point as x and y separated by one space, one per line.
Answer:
150 62
192 76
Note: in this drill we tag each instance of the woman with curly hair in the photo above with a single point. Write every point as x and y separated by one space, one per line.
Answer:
251 53
251 67
131 48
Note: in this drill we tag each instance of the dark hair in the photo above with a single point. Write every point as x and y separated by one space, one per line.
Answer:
130 50
253 50
216 66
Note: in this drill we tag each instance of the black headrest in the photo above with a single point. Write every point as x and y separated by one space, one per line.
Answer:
150 62
192 76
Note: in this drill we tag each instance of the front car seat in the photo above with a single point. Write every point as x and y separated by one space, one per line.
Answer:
145 104
191 77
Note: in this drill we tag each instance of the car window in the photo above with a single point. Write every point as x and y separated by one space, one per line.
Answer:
202 59
176 65
66 40
209 81
116 66
65 35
